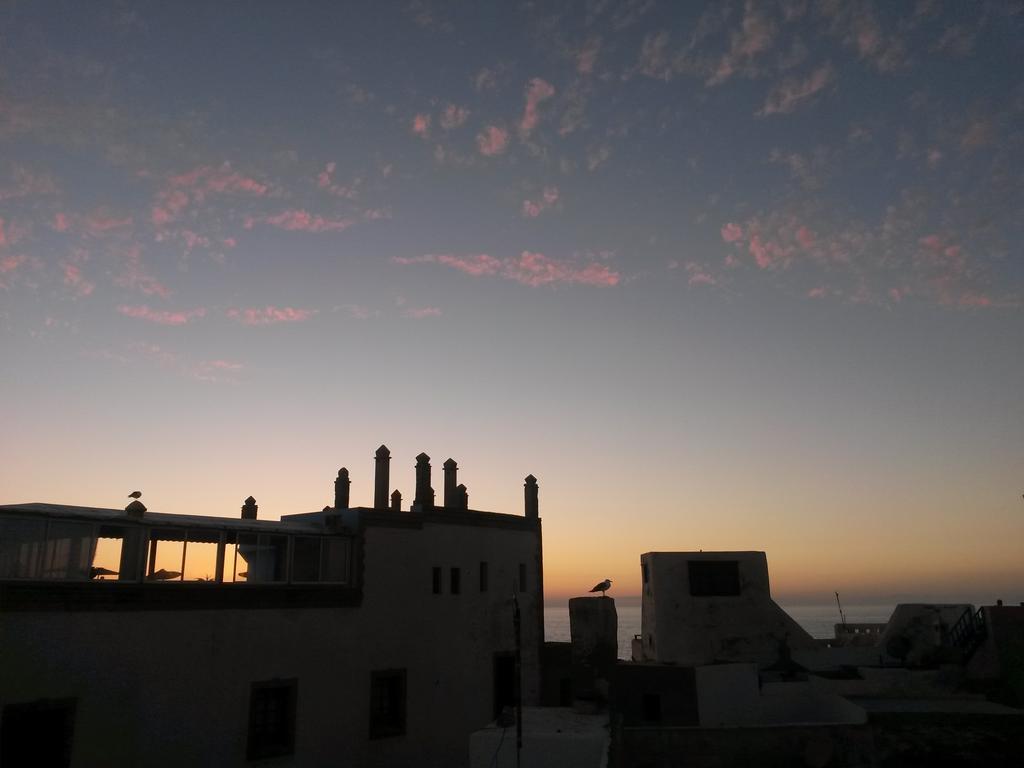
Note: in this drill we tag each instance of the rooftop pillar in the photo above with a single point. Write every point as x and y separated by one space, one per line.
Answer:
530 493
451 471
424 493
381 477
396 501
341 489
461 497
593 627
249 509
135 509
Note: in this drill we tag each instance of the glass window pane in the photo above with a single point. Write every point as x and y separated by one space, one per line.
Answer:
200 557
166 549
334 566
68 551
245 561
21 547
306 558
273 557
106 559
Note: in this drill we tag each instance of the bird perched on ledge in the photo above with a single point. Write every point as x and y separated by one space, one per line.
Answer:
603 587
135 494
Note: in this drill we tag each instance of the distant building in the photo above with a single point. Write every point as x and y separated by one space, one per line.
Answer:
349 636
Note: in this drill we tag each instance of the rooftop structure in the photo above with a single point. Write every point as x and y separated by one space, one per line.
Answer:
366 634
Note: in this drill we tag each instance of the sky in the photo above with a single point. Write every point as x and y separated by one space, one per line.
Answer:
745 275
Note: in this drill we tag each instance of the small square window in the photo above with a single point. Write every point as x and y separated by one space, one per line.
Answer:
483 577
387 703
714 578
272 719
456 581
436 580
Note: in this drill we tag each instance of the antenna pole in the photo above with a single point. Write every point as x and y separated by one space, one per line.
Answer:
842 616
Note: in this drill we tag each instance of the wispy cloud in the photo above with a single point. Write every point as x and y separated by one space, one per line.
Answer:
135 276
492 141
529 268
793 92
754 37
453 116
586 57
300 221
420 313
421 125
161 317
269 315
325 181
537 91
193 187
533 208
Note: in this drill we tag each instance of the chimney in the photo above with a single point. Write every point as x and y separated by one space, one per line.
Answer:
530 492
135 509
424 493
451 471
341 488
461 497
381 479
249 509
396 501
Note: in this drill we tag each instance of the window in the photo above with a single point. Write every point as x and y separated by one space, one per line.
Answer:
456 581
260 559
38 733
68 551
21 547
483 577
387 703
652 707
437 580
714 578
522 577
272 719
306 558
166 555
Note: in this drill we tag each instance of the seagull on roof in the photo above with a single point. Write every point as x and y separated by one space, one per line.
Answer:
134 494
603 587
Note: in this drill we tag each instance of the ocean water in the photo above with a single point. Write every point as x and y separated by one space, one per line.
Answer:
818 620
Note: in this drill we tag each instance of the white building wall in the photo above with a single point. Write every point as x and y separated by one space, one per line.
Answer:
172 688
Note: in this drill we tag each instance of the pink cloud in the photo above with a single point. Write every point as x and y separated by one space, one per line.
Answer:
793 92
587 56
817 293
453 116
270 315
896 294
698 275
537 91
973 299
534 208
161 317
805 237
732 232
61 222
492 141
528 268
98 224
3 234
325 180
537 269
74 279
421 313
134 276
28 184
193 187
300 221
476 265
421 125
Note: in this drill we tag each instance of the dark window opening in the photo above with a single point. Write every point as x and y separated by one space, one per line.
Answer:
38 733
456 581
272 719
437 580
483 577
652 707
714 578
387 703
522 577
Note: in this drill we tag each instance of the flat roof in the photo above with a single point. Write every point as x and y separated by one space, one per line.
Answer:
101 514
